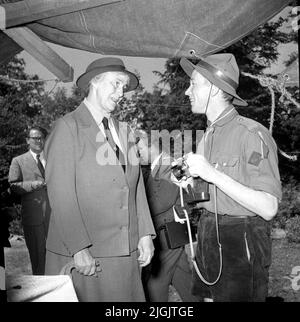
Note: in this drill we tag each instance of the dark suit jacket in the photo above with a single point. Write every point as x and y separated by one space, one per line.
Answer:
93 204
162 194
35 205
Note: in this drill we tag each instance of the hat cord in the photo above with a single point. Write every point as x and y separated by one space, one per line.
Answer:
208 99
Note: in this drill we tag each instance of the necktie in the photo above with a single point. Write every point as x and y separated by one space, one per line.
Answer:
112 143
40 165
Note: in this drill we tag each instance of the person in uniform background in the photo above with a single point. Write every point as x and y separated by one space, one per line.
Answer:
27 179
168 266
100 217
238 157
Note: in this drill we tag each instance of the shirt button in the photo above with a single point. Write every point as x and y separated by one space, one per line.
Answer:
224 164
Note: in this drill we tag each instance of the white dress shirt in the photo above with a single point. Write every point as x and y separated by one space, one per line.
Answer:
155 161
42 158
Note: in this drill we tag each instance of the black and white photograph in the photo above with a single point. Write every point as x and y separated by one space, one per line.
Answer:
149 152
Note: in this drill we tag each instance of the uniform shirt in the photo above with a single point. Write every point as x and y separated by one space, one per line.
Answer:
244 150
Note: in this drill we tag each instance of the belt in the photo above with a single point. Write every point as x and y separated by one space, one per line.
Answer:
163 218
209 213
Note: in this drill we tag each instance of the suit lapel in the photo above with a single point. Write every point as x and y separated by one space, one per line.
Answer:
91 130
30 163
156 168
88 125
121 129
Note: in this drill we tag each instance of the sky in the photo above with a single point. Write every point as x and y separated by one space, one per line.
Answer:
79 60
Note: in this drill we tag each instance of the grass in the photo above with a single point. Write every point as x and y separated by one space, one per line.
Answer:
285 256
17 260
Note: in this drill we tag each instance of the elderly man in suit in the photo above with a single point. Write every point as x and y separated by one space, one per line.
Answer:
99 211
27 179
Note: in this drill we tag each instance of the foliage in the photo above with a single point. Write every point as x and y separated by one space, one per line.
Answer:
16 228
290 205
57 105
293 229
19 104
23 104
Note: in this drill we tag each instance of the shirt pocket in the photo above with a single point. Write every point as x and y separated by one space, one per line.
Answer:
228 164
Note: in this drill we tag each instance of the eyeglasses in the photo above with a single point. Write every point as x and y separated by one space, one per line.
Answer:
36 138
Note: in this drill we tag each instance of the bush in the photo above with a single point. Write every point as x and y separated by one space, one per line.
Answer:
290 204
15 226
293 230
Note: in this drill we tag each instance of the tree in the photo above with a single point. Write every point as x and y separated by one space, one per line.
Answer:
20 102
24 103
57 105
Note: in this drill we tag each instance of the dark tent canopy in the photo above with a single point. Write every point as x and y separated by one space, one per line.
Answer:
144 28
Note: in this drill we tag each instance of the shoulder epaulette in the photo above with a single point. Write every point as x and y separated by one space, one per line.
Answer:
260 130
250 124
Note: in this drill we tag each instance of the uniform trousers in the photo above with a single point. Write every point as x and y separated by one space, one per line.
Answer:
35 238
246 258
118 281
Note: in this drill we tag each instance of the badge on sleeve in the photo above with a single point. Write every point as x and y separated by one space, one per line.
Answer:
255 158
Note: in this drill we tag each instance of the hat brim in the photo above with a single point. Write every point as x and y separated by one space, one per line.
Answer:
83 80
189 67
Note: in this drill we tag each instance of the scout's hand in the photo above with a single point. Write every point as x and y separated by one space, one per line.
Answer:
84 262
146 249
200 167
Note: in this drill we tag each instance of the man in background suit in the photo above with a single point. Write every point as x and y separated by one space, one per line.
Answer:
168 266
99 212
27 179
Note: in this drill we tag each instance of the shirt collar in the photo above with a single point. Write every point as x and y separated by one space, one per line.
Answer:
155 161
226 116
96 112
35 154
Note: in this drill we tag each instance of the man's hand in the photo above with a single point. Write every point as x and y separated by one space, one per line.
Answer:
38 184
84 262
146 249
199 167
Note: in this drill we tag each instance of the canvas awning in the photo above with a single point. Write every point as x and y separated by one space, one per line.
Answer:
143 28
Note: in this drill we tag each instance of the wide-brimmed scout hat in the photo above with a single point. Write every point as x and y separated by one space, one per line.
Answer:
221 70
106 64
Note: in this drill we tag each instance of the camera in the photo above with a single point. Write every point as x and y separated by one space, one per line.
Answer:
200 190
180 170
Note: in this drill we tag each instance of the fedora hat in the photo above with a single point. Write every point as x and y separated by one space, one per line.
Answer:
221 70
106 64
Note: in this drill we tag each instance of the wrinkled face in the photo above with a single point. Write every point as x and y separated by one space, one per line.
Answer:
36 141
110 88
198 92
